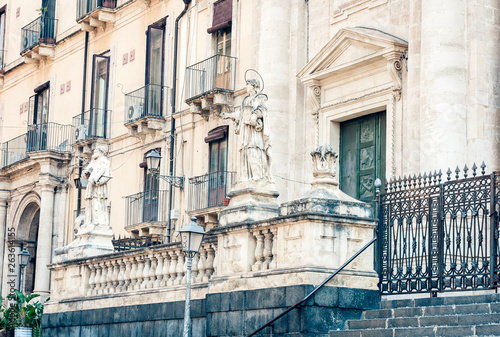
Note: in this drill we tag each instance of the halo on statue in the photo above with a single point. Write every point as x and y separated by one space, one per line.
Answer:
260 79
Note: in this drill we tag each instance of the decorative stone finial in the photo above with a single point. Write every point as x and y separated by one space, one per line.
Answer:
324 158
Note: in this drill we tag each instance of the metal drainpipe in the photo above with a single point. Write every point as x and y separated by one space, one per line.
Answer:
79 202
172 122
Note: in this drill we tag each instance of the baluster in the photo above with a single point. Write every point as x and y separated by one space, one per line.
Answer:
209 266
201 265
274 250
152 271
259 251
104 274
173 267
109 277
145 272
268 253
159 271
121 275
180 268
133 273
91 279
166 268
98 273
126 275
215 261
194 269
114 276
140 268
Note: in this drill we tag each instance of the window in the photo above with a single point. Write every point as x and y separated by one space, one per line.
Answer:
38 118
2 37
217 177
155 68
223 42
99 97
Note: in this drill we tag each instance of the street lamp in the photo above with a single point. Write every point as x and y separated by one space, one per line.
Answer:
153 160
23 258
191 237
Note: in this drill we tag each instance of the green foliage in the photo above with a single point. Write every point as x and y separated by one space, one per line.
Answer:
21 313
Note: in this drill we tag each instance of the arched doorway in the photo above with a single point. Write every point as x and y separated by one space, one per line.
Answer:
28 237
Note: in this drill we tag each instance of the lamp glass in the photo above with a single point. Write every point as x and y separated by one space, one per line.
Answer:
24 257
191 237
153 160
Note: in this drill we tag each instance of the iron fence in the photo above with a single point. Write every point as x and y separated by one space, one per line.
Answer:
96 123
14 150
210 190
84 7
121 244
215 74
440 235
40 30
148 101
145 207
48 136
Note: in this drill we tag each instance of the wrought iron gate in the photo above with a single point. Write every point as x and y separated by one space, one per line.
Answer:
439 235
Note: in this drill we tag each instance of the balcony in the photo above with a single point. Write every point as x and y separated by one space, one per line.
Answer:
210 84
91 129
91 14
146 213
13 151
38 39
49 136
145 109
208 194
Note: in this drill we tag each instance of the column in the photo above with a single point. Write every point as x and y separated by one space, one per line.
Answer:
59 220
44 243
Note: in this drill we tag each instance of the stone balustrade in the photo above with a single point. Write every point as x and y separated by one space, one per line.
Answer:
265 248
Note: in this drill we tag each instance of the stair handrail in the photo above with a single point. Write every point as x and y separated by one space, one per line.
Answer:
318 287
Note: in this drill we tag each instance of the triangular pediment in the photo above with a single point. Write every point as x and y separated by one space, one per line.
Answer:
349 48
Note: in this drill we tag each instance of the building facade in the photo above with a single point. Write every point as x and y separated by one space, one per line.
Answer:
396 87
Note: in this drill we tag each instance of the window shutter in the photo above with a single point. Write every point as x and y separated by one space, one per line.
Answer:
223 15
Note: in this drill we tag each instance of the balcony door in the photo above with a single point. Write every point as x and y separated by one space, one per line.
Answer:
38 118
223 62
217 177
47 32
99 101
154 69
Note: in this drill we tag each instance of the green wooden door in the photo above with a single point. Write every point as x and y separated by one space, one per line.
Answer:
362 155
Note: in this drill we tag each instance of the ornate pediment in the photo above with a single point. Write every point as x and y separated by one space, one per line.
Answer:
350 48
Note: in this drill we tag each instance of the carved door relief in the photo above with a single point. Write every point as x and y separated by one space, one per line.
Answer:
362 155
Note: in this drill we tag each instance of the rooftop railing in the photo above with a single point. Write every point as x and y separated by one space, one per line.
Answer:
49 136
14 150
210 190
84 7
40 30
145 207
96 123
215 74
149 101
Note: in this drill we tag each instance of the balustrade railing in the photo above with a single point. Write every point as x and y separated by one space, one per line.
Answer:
215 74
40 30
49 136
84 7
210 190
148 101
145 207
14 150
156 267
265 248
96 123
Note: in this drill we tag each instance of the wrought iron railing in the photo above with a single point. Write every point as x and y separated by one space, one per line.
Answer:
148 101
440 234
215 74
96 123
40 30
2 60
210 190
84 7
145 207
14 150
49 136
121 244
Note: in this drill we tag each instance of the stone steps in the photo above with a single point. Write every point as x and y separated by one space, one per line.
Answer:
473 315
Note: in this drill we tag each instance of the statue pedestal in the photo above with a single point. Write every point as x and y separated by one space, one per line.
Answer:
250 203
89 242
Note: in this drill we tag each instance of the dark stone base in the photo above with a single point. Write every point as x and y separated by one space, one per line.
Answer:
222 314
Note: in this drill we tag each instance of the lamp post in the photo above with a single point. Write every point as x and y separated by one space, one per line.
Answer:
191 237
23 258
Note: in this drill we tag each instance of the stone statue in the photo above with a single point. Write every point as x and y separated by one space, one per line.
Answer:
98 173
253 127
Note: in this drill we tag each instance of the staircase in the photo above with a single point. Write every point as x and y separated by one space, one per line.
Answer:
473 315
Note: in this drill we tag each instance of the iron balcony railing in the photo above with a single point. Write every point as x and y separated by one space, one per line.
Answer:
121 244
49 136
96 123
215 74
148 101
40 30
14 150
145 207
84 7
210 190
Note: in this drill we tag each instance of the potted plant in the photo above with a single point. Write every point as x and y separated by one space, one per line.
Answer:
23 317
